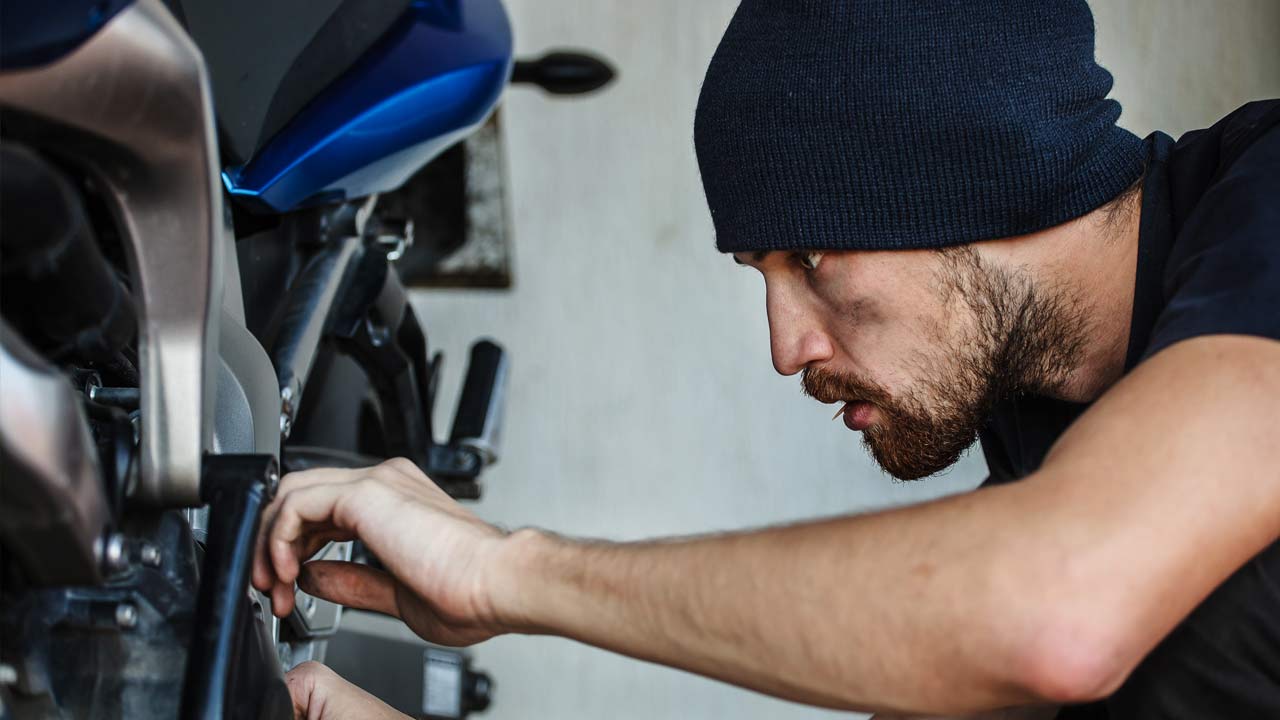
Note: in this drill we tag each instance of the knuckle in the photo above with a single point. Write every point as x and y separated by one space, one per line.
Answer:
402 465
309 671
288 505
288 481
382 472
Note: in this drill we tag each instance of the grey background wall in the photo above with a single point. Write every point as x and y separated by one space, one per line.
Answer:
643 398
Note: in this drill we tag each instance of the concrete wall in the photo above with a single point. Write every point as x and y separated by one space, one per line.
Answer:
643 398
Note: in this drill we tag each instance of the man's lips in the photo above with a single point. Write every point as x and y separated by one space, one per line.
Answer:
857 415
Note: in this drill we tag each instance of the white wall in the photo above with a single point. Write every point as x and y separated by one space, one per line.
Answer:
643 399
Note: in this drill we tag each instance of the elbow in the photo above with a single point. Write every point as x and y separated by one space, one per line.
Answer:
1069 661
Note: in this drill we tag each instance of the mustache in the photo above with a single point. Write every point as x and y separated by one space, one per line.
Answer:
830 386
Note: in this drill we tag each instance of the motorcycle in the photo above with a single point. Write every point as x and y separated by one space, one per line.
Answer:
199 229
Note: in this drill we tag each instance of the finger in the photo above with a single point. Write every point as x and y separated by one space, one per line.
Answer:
261 574
282 599
301 682
350 584
308 684
408 469
300 507
313 544
319 693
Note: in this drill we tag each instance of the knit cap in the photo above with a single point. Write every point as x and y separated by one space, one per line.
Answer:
887 124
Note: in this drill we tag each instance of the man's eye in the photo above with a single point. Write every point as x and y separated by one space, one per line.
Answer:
809 260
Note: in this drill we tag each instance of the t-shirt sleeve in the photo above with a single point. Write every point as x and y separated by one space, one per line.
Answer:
1223 272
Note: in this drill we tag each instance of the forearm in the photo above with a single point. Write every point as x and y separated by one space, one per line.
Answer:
907 610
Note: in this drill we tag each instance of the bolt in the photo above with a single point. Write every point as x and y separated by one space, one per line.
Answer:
285 424
126 616
135 420
273 478
150 555
113 556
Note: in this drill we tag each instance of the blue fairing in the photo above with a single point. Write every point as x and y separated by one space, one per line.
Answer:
428 84
34 32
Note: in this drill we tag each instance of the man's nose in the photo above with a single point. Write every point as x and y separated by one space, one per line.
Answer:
796 338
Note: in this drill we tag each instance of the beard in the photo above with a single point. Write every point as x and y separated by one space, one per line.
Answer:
1019 339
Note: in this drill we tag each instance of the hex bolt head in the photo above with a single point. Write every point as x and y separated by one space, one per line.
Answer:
113 554
150 555
126 616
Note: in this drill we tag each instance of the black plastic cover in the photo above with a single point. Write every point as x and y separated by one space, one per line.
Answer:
267 60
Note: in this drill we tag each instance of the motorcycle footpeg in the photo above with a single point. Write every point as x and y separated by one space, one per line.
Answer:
477 424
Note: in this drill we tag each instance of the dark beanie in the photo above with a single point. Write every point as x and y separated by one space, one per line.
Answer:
886 124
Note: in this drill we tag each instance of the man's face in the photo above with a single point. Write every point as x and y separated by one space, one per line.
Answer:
915 345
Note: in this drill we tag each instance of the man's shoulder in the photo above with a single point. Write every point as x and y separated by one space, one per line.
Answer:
1230 137
1214 269
1200 159
1222 275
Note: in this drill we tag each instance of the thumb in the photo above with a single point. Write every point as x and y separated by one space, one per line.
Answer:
350 584
320 694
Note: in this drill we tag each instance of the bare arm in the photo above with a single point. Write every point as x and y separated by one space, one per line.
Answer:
1039 712
1051 589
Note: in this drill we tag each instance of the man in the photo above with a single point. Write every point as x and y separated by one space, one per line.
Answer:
956 241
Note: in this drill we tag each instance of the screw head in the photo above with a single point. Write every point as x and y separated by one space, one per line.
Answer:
150 555
126 616
113 555
308 606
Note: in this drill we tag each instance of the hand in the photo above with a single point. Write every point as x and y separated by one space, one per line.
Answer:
320 694
440 557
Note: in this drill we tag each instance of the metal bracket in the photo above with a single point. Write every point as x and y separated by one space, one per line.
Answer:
133 101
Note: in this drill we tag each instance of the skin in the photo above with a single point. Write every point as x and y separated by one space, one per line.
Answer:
319 693
1041 592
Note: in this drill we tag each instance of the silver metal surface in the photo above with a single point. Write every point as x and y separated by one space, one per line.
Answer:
253 385
232 414
307 311
113 556
198 519
126 616
43 431
312 617
133 102
150 555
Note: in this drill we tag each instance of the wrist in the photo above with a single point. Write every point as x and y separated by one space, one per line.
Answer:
519 580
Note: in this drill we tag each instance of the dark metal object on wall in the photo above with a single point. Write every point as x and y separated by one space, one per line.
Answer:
458 207
562 72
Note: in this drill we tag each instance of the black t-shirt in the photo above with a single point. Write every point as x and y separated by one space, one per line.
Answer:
1208 263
